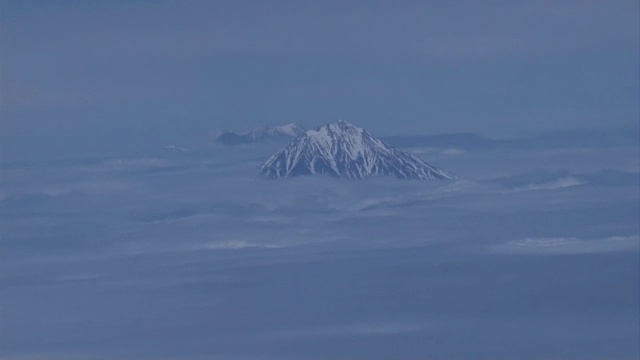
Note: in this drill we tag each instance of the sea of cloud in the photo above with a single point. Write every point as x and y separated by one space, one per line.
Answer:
530 254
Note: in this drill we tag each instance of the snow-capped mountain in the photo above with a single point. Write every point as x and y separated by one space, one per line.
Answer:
291 130
343 150
287 131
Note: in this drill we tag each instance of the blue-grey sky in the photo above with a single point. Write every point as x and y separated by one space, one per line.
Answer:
90 75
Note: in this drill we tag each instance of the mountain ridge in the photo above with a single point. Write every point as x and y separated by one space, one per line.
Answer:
287 131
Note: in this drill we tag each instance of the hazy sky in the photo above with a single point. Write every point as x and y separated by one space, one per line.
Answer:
99 74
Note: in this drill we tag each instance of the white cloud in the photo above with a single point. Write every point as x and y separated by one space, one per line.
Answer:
131 164
357 329
552 185
238 245
95 187
569 245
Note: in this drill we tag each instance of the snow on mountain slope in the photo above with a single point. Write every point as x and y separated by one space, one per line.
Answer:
343 150
260 134
291 129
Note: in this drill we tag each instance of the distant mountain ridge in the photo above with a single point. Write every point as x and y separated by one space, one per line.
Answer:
341 149
287 131
574 138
